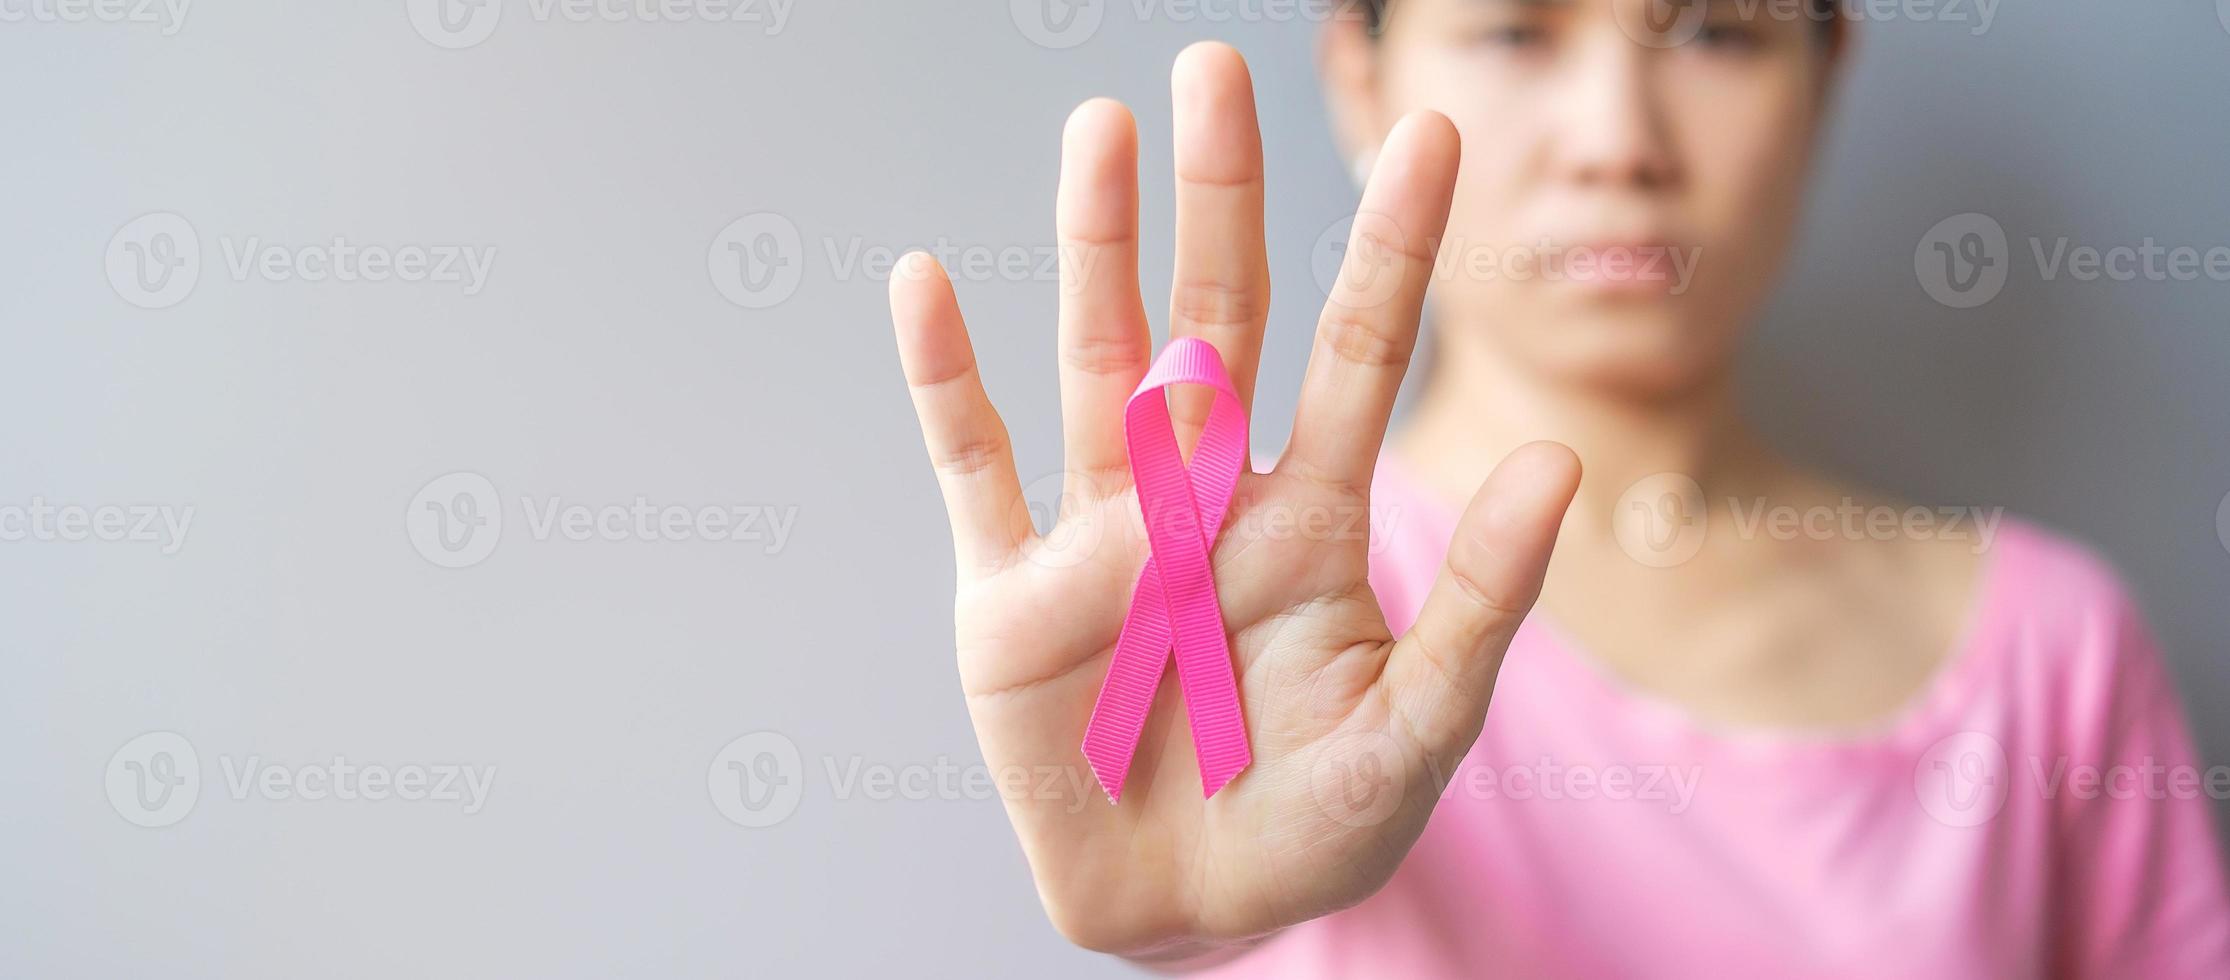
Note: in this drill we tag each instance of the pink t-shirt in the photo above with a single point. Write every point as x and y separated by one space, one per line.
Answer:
2037 811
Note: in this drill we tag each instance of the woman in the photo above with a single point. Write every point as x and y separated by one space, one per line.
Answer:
1717 750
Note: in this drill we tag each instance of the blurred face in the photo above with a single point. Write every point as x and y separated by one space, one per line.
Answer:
1623 206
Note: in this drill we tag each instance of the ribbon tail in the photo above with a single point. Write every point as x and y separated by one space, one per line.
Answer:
1133 675
1211 689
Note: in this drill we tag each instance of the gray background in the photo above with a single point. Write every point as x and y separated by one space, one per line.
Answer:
600 363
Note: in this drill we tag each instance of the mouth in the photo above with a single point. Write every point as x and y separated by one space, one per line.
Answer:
1624 266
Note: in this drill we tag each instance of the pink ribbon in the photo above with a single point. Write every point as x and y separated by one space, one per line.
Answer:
1174 604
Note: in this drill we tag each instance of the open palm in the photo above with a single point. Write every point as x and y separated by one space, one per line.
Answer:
1349 725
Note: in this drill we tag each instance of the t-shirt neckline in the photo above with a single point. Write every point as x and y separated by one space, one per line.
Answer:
1947 687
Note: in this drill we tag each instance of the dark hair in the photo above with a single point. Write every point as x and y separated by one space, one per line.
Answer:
1824 13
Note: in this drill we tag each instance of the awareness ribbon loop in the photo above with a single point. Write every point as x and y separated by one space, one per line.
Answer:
1174 605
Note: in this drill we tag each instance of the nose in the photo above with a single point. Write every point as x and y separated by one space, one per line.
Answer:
1614 127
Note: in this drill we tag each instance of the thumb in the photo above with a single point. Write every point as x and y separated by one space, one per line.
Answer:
1441 675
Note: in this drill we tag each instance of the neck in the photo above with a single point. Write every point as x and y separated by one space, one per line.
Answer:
1478 406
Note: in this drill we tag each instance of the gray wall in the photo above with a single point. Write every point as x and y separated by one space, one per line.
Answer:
306 424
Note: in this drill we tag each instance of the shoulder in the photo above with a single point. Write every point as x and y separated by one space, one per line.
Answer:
2047 585
2071 633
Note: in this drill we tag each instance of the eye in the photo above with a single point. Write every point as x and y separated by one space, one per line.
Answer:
1732 37
1516 37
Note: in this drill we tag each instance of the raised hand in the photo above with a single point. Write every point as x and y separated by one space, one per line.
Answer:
1337 709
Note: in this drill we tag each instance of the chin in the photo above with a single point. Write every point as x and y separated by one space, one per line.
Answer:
1640 351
